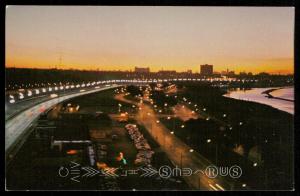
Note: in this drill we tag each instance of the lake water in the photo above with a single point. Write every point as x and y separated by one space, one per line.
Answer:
255 95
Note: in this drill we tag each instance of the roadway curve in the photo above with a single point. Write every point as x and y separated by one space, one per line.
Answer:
16 125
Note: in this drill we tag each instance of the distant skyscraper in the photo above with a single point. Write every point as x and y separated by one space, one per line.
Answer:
142 69
206 69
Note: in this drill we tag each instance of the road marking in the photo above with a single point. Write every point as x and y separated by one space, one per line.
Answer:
213 187
220 187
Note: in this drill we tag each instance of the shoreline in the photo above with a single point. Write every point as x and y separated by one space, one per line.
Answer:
285 105
268 93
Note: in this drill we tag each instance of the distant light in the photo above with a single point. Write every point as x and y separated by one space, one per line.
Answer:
191 150
244 185
207 118
240 123
12 101
157 121
169 117
96 87
82 90
182 126
208 140
224 115
11 96
21 96
254 164
204 109
53 95
172 132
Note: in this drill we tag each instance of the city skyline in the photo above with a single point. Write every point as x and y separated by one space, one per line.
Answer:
256 39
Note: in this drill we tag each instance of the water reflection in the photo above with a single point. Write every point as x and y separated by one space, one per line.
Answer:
256 95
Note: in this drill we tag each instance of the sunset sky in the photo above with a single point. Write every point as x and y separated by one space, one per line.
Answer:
250 39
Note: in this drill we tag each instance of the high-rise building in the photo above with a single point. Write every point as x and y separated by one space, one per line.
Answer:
142 69
206 69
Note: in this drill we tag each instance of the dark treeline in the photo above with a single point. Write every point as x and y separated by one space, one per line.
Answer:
17 76
21 77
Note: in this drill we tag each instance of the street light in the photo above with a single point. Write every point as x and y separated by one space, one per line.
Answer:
120 105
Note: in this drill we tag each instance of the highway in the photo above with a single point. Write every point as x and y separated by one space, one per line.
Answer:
20 116
177 151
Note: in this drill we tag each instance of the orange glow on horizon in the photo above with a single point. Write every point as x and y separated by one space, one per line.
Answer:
119 38
274 66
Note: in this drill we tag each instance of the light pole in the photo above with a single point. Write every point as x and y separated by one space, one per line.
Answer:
119 107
